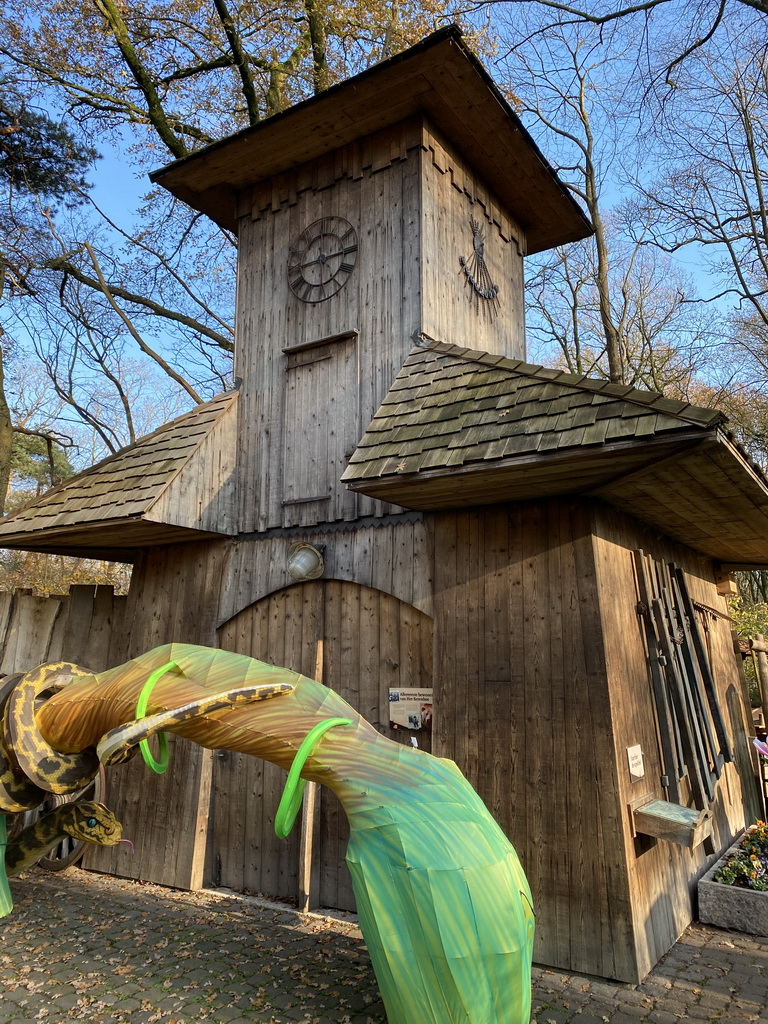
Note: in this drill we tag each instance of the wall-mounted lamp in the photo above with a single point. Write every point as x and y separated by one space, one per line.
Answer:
304 562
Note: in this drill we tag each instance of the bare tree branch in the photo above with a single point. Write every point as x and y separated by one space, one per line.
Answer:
143 79
240 61
145 348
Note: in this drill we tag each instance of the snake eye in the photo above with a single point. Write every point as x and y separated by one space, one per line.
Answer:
91 823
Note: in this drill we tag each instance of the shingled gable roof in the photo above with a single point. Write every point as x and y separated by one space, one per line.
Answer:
140 497
461 428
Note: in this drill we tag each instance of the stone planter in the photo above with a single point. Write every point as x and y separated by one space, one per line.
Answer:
728 906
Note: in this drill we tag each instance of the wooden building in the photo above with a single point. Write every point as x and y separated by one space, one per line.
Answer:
543 551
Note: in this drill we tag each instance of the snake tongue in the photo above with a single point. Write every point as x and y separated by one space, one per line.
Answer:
130 843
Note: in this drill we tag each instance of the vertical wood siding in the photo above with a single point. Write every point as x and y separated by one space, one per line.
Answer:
173 598
522 705
452 194
360 642
203 494
391 555
83 626
410 200
321 428
182 593
663 875
379 303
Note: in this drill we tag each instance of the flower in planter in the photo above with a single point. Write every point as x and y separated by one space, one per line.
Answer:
762 747
747 868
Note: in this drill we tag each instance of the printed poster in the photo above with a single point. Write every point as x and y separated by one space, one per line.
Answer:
410 709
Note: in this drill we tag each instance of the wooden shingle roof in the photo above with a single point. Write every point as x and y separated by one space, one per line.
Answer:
174 485
461 428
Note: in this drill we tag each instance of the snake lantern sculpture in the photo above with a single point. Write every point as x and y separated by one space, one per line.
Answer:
443 904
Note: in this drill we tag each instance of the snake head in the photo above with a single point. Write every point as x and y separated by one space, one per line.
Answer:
94 823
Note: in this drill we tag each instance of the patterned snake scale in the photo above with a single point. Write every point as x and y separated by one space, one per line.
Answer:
442 900
86 820
31 769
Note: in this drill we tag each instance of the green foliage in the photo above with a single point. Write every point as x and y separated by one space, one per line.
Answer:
747 868
37 154
749 618
30 462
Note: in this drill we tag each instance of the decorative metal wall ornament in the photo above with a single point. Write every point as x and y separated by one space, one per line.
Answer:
483 290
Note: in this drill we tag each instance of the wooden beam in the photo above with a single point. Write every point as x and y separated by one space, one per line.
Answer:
309 880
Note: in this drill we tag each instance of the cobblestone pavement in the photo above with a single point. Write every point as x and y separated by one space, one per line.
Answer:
81 946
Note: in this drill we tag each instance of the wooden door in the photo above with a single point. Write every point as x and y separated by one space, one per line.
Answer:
321 429
359 641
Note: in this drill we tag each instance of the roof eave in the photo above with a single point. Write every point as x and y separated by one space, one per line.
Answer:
732 527
114 540
408 83
399 487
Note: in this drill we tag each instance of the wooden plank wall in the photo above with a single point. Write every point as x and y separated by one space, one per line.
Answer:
360 642
522 706
173 598
453 193
365 633
82 626
321 426
391 555
410 199
203 494
183 593
663 875
374 185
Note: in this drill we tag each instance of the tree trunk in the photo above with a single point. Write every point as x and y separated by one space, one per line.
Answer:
6 436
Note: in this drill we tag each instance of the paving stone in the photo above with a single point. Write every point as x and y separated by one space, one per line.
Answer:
204 958
662 1016
635 1012
713 997
622 1017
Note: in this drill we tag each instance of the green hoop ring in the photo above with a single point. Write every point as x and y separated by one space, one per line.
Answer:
141 709
290 801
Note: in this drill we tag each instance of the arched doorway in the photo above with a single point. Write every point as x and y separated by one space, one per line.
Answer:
357 640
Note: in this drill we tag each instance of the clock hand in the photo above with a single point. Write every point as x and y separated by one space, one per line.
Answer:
324 257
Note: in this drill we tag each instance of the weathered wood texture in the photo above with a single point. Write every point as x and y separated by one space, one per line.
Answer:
522 705
360 642
182 594
662 875
202 494
173 597
174 485
453 193
391 555
83 626
314 373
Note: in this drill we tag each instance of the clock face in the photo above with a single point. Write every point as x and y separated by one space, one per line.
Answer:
322 259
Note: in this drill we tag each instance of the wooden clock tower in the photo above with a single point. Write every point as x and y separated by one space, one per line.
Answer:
395 206
476 528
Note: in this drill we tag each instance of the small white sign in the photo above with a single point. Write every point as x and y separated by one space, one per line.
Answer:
636 766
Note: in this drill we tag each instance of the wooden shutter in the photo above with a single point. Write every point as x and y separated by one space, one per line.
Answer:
321 429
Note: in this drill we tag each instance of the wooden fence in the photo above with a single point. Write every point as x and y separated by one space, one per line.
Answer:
82 626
